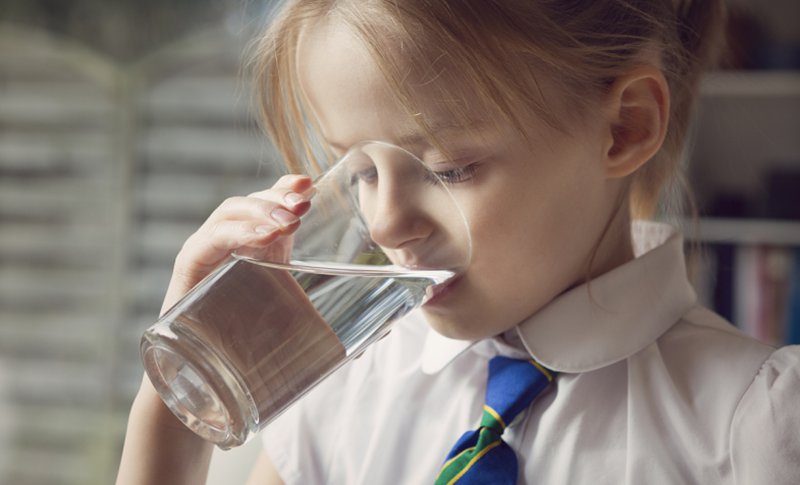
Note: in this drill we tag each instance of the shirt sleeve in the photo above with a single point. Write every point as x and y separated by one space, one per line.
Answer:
765 433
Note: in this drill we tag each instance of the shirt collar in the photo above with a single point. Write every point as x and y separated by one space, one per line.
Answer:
604 321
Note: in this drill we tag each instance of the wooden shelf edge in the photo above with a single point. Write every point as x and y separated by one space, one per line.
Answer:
751 83
743 231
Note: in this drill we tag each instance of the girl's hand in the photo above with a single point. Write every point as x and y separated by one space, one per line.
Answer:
249 224
158 447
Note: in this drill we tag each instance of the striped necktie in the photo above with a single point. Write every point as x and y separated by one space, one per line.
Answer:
481 456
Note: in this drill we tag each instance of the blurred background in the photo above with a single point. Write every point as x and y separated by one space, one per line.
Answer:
123 125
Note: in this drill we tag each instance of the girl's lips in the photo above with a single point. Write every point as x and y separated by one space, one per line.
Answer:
436 293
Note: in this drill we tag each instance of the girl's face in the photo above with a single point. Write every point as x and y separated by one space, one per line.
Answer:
536 207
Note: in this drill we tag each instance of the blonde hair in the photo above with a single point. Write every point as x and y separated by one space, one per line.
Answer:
498 50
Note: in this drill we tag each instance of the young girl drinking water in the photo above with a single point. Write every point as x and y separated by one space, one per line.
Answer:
572 348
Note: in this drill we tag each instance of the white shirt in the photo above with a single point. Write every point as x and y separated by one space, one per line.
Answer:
652 389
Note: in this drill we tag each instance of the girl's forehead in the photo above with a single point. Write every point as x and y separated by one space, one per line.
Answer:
349 95
333 64
343 86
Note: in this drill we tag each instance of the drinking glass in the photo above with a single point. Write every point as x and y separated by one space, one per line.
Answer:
383 232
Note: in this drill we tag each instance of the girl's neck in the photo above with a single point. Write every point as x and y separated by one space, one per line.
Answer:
615 247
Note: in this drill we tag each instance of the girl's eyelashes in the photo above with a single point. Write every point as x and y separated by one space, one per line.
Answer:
450 176
367 175
453 176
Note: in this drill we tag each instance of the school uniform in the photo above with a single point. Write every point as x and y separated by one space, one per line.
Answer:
651 389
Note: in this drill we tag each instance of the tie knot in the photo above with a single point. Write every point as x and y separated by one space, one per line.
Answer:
481 456
512 386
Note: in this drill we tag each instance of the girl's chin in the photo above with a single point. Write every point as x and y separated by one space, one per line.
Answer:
454 328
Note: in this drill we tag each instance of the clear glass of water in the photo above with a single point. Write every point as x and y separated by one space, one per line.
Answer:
260 331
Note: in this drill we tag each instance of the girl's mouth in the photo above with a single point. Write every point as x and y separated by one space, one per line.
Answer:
436 293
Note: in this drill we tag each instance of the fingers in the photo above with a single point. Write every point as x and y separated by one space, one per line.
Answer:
256 221
252 221
291 193
280 209
299 184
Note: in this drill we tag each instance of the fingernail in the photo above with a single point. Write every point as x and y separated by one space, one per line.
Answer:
293 198
264 230
283 217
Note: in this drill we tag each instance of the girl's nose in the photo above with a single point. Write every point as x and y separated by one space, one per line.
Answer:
396 220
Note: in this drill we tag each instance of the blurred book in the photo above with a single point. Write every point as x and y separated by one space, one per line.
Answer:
793 301
756 287
783 193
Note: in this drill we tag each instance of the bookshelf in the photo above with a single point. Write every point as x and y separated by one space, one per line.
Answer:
744 172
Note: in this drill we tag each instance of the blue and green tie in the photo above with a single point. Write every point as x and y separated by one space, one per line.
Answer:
481 456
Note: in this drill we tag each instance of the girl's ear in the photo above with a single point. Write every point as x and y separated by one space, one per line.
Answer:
638 114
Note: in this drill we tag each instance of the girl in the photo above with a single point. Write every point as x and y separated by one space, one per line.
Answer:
556 124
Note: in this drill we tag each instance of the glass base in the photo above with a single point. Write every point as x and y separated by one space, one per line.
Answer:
197 386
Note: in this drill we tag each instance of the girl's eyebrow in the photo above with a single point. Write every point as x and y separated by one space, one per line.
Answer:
335 146
415 137
437 129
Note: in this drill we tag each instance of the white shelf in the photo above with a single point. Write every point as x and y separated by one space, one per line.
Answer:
744 231
751 84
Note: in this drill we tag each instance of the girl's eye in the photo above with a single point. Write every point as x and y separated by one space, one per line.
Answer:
367 175
454 175
450 176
